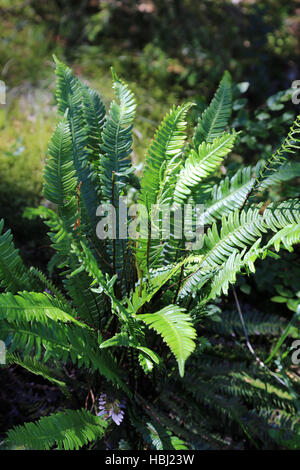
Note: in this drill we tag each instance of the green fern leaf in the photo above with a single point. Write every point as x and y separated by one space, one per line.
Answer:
277 216
163 162
117 141
166 147
37 368
69 97
34 306
115 161
13 274
225 197
288 236
238 231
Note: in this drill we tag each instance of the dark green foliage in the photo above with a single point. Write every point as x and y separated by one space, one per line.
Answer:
131 313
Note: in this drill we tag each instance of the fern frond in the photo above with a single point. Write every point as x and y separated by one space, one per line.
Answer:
284 219
69 98
284 428
124 340
238 230
219 407
115 160
227 196
165 149
175 327
202 163
48 284
37 368
277 216
88 305
290 145
163 162
230 193
288 236
117 141
214 120
89 263
95 116
158 278
34 306
257 323
226 275
60 234
59 172
286 172
68 430
14 276
61 341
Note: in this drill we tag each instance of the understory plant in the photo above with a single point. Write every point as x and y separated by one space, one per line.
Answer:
127 331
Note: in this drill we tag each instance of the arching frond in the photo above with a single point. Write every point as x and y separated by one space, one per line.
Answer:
238 231
288 236
214 120
14 276
68 430
38 368
50 339
227 274
202 163
277 216
289 146
69 97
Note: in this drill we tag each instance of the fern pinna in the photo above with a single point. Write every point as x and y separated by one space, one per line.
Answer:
131 310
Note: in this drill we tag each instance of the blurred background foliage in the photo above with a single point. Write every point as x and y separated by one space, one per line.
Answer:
168 51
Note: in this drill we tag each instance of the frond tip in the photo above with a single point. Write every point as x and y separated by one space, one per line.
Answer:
175 327
67 430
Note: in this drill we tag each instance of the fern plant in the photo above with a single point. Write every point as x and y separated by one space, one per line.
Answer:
129 307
